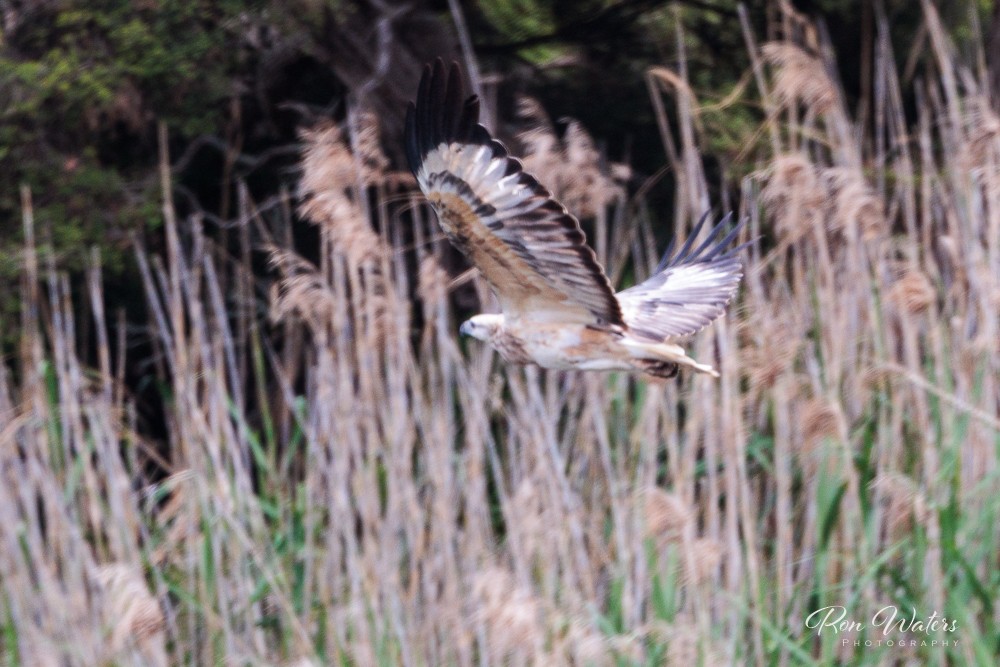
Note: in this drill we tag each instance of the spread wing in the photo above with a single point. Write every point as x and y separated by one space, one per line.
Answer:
524 242
687 291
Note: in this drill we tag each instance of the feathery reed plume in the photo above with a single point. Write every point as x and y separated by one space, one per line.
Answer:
302 292
330 198
585 645
176 517
800 77
542 152
512 615
913 293
857 211
773 340
820 422
793 195
586 187
903 502
133 614
667 515
329 181
701 560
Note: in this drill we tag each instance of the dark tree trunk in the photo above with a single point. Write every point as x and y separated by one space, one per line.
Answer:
379 49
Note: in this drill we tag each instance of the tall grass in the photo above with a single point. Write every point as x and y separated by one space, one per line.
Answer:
346 482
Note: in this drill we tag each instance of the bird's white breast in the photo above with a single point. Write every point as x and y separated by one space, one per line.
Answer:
569 347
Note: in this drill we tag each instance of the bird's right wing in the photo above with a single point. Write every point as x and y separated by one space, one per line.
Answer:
524 242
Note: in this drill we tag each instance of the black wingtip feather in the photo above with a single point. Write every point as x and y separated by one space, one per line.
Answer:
438 96
442 113
709 249
710 240
469 117
452 116
412 145
686 248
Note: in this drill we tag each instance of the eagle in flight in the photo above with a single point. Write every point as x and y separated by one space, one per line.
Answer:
559 310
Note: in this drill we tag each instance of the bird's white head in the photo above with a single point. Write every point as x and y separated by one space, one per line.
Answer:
482 326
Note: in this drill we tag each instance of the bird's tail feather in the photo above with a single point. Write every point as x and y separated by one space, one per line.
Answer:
645 352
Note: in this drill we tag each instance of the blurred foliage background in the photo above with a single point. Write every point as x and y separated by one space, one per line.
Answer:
84 84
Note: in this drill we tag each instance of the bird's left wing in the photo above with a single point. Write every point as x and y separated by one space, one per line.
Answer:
524 242
688 290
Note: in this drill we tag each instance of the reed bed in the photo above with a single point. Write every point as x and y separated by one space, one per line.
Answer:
344 481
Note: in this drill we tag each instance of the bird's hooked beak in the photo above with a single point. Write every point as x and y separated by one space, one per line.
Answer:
480 327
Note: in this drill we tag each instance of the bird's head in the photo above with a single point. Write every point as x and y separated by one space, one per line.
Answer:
481 326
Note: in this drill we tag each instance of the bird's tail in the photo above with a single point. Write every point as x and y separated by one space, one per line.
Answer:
662 359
